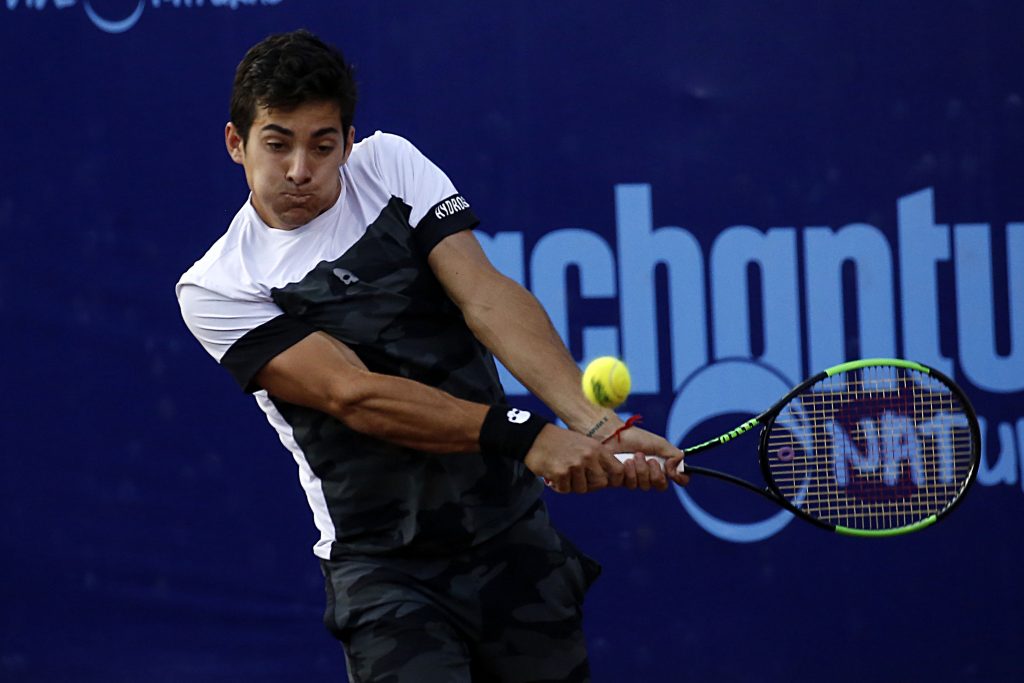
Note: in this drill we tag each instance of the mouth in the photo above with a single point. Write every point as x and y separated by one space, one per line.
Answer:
298 197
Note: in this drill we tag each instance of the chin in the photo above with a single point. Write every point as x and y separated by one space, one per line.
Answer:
296 218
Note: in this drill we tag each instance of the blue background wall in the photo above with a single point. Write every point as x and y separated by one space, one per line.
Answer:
790 184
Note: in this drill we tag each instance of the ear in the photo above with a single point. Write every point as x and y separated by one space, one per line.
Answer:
235 143
350 140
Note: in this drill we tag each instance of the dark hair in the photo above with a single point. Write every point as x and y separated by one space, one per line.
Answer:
287 70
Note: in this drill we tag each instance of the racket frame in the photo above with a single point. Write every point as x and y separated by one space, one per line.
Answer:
767 419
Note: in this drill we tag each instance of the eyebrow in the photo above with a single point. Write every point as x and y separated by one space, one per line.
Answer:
290 133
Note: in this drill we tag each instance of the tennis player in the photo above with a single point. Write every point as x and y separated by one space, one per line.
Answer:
350 296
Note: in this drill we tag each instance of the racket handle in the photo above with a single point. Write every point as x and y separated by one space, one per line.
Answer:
623 457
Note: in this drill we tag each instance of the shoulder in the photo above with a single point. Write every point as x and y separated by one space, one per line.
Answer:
225 270
381 143
381 152
218 256
401 168
222 297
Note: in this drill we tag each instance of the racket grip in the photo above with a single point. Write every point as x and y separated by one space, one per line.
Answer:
623 457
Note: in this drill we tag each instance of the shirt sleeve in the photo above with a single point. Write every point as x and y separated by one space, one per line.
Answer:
241 335
437 208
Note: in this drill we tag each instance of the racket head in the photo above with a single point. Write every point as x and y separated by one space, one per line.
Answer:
875 447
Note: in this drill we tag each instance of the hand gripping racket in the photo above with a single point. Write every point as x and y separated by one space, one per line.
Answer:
875 447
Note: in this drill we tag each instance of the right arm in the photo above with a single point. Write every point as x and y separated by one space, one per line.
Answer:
322 373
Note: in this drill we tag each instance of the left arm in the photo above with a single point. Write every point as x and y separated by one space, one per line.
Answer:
510 322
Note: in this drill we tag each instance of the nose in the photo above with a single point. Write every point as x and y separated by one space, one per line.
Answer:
299 170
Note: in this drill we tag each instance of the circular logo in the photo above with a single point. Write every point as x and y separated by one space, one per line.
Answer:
114 25
723 388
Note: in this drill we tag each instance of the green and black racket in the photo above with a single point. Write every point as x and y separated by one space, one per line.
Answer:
874 447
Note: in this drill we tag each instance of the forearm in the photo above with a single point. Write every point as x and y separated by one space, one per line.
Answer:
411 414
322 373
510 321
514 326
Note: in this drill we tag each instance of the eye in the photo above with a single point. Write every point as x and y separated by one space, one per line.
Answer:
325 149
274 145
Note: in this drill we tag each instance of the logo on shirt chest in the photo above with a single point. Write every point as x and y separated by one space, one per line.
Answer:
347 277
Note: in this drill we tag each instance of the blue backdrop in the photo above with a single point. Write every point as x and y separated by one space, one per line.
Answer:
745 192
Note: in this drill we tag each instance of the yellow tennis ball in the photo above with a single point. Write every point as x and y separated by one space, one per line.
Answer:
606 381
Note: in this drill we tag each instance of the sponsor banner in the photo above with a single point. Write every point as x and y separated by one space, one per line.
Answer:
119 16
759 308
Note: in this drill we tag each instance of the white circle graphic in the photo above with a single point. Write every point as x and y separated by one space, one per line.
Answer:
722 388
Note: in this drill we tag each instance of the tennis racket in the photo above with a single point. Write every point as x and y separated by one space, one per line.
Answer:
875 447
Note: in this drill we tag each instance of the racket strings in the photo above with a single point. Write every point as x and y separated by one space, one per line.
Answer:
880 448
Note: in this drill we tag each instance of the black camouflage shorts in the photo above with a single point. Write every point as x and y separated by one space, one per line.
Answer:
507 610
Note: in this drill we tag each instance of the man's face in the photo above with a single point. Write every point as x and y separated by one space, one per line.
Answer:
291 161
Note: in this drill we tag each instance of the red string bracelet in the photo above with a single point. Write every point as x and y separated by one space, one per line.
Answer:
629 423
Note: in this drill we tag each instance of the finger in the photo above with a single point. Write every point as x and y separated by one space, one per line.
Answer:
596 479
675 469
612 468
578 480
659 481
629 478
643 472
